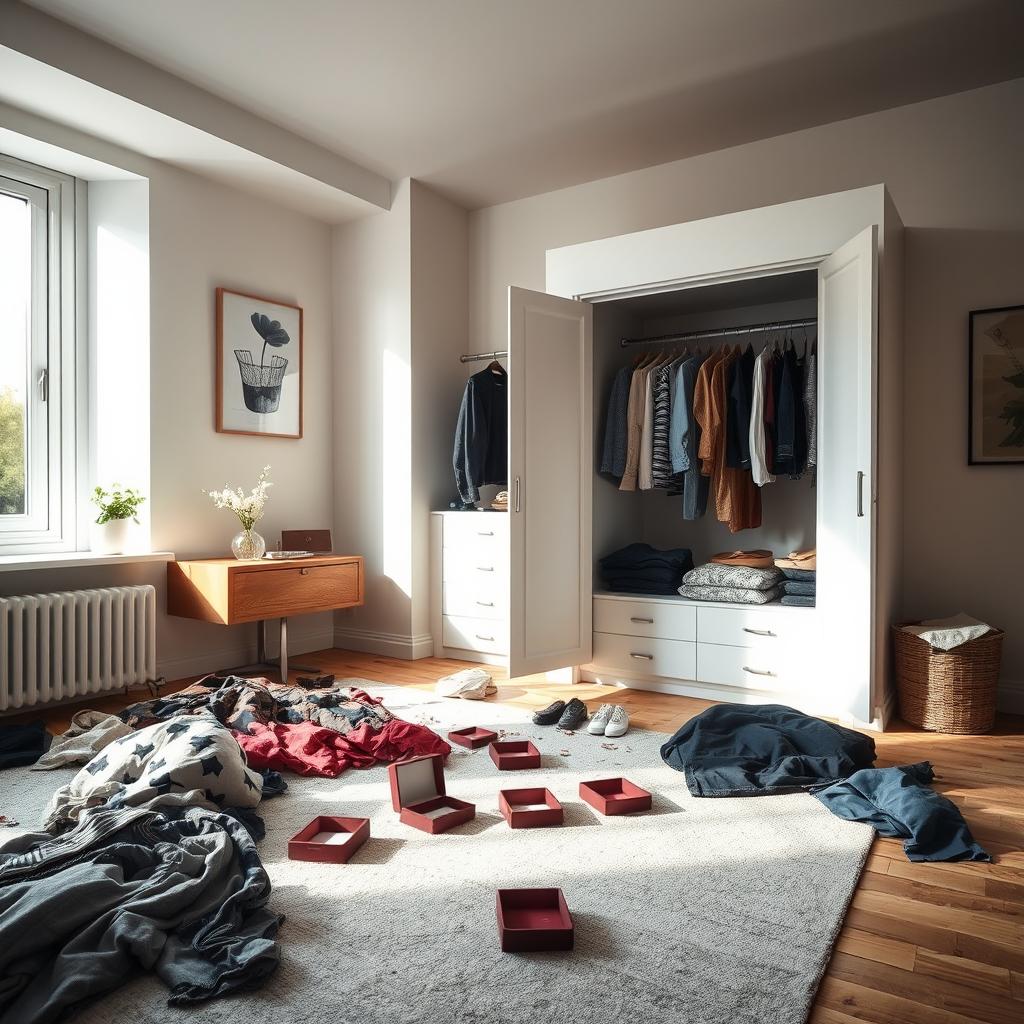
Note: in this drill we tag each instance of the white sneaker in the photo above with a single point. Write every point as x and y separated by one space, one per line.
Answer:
597 723
618 722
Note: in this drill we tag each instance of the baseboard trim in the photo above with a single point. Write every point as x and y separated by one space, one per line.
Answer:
241 654
391 645
1010 697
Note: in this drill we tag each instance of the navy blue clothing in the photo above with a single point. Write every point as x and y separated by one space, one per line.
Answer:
641 569
480 455
23 744
755 749
739 390
613 455
898 802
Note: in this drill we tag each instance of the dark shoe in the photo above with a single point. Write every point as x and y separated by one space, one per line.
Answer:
550 714
574 715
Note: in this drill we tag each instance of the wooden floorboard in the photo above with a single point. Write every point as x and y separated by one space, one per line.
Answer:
922 943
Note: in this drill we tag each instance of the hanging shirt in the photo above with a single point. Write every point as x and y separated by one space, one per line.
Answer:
685 461
480 456
811 405
645 476
661 463
613 456
634 426
758 465
790 430
738 389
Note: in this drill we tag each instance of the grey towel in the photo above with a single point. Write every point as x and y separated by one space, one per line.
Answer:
798 600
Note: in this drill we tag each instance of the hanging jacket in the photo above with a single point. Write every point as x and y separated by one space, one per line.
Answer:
613 455
481 435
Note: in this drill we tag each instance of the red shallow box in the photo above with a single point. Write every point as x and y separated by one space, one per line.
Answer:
530 920
529 808
418 794
511 755
329 840
473 737
615 796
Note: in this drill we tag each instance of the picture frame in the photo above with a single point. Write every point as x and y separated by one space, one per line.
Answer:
995 383
259 379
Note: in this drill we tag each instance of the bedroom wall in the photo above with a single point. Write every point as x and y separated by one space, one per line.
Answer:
955 168
201 235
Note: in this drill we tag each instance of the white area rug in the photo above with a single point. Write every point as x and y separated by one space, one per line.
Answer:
700 912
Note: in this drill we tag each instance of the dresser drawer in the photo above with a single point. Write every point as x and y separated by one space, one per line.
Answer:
645 618
475 634
294 590
751 668
475 528
481 598
472 565
646 656
757 626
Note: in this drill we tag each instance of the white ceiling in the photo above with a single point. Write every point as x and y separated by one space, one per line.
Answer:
489 100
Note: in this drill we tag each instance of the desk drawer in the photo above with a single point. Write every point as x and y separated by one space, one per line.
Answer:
669 621
645 656
294 590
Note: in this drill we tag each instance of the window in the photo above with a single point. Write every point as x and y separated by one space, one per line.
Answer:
38 367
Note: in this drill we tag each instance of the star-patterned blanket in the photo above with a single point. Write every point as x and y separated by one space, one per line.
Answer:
311 732
193 758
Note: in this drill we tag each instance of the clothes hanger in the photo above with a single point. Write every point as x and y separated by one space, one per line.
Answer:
496 368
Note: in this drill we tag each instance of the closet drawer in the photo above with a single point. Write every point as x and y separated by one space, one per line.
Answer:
475 634
645 618
481 598
759 626
647 656
479 528
752 668
472 564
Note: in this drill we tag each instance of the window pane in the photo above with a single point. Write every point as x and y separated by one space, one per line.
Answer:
15 342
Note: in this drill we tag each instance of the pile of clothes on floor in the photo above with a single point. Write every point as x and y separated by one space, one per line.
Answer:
147 856
800 569
758 750
642 569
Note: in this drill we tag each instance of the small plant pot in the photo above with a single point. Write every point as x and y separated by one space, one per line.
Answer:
112 537
261 383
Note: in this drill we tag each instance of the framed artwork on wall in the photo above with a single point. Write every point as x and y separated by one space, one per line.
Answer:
995 424
259 365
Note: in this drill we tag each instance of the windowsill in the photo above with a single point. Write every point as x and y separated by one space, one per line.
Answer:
69 559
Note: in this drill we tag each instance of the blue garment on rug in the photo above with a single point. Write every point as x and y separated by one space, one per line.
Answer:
899 802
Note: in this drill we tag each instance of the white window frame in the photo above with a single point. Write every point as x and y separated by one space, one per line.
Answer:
54 401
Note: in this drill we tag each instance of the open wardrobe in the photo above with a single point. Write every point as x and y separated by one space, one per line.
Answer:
800 305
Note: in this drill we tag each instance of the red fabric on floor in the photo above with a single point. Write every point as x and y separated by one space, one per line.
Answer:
309 749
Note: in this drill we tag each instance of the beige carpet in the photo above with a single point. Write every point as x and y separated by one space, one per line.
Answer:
703 911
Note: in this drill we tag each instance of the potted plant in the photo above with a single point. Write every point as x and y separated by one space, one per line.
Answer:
261 385
249 507
117 507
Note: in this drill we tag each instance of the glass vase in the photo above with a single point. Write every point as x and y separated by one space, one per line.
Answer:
248 545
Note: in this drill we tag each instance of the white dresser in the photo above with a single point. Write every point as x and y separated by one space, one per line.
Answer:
471 579
741 653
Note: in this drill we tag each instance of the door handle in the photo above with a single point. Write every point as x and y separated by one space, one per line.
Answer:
860 492
516 488
641 657
758 632
758 671
637 618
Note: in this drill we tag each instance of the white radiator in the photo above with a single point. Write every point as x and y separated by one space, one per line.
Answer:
58 646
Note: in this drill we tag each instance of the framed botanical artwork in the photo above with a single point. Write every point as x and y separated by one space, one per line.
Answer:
259 365
995 425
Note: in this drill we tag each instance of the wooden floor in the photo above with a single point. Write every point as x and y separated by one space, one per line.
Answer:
922 943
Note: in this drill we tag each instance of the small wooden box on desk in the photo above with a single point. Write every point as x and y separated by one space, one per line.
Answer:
228 592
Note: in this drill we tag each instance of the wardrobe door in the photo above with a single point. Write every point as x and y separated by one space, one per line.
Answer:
847 339
550 460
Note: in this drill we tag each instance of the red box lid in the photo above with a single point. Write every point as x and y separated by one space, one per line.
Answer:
416 780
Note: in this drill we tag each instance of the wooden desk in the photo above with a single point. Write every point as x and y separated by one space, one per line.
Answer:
227 591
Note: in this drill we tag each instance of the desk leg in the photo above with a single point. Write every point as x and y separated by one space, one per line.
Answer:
284 649
263 662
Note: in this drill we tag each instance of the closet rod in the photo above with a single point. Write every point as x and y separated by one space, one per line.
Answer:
722 332
482 355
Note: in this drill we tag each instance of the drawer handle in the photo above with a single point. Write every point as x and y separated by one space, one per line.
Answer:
758 671
637 618
485 533
485 568
480 636
758 632
641 657
486 604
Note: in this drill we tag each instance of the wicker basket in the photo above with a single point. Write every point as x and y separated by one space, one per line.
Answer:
948 691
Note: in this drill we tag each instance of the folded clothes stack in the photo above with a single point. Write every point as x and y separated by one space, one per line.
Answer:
800 569
732 583
641 569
